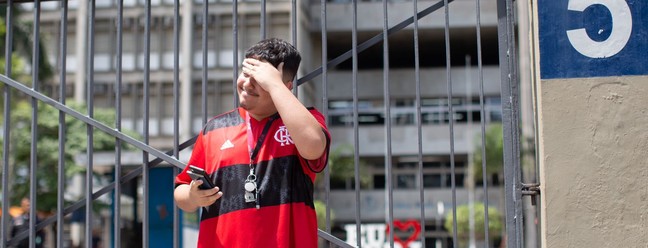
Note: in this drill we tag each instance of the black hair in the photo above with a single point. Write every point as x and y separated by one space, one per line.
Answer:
275 51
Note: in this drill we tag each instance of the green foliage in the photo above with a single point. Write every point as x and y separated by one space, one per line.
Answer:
3 28
18 66
320 209
47 153
18 73
463 221
343 167
22 50
23 40
494 152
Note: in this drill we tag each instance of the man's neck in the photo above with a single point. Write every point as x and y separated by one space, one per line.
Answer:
260 117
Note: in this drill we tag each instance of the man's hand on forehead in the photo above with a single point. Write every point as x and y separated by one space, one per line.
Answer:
257 61
264 73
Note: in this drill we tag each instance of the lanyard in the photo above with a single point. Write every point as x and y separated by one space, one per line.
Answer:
251 178
254 152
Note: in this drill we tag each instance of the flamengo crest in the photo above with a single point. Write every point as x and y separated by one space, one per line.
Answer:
282 136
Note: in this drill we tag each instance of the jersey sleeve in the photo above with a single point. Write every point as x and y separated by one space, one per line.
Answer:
318 165
197 159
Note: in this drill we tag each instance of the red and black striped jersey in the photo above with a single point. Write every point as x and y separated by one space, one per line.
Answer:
286 217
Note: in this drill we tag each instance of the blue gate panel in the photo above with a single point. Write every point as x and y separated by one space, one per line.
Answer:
593 38
161 207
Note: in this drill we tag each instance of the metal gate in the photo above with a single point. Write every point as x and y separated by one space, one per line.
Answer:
145 61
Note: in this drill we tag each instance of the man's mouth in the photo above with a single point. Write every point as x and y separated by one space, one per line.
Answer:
249 93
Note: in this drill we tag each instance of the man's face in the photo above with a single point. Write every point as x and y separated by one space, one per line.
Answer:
253 98
24 204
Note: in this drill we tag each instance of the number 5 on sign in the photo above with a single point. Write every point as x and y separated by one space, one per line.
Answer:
621 29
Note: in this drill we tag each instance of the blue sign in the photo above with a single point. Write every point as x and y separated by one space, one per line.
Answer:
593 38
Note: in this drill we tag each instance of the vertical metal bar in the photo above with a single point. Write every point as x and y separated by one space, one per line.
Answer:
356 139
176 110
60 201
159 90
264 19
33 165
482 121
470 170
235 65
135 111
160 104
118 120
388 149
204 60
4 226
451 124
536 133
186 74
293 15
325 105
419 121
81 27
145 161
89 128
134 92
510 120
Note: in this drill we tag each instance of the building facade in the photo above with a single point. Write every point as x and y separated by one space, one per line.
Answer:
447 140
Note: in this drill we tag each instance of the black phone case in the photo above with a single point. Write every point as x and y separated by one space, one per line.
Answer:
198 174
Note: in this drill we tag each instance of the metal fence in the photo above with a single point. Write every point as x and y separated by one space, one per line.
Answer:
14 90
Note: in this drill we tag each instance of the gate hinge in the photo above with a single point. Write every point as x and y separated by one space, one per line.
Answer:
531 189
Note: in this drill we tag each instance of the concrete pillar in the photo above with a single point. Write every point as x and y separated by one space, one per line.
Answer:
593 122
594 172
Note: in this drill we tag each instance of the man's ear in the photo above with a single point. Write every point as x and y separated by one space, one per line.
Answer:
289 84
280 67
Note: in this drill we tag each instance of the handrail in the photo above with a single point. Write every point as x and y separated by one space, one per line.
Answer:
328 237
160 157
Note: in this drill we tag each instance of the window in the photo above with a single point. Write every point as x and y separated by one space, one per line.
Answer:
459 180
403 111
405 181
435 175
379 181
432 181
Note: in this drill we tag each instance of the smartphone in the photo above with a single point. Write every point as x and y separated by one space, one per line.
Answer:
199 174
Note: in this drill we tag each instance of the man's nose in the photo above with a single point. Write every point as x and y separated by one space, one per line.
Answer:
248 83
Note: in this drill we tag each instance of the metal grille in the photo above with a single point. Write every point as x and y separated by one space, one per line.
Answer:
400 176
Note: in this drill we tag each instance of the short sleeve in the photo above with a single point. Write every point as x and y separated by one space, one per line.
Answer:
318 165
197 159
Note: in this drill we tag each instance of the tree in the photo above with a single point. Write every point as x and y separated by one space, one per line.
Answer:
320 210
342 168
21 52
21 55
23 40
494 153
18 64
48 147
494 148
463 218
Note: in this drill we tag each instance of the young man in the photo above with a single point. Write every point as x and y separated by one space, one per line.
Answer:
20 224
262 158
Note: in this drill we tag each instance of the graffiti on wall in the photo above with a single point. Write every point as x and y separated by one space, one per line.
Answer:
376 235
